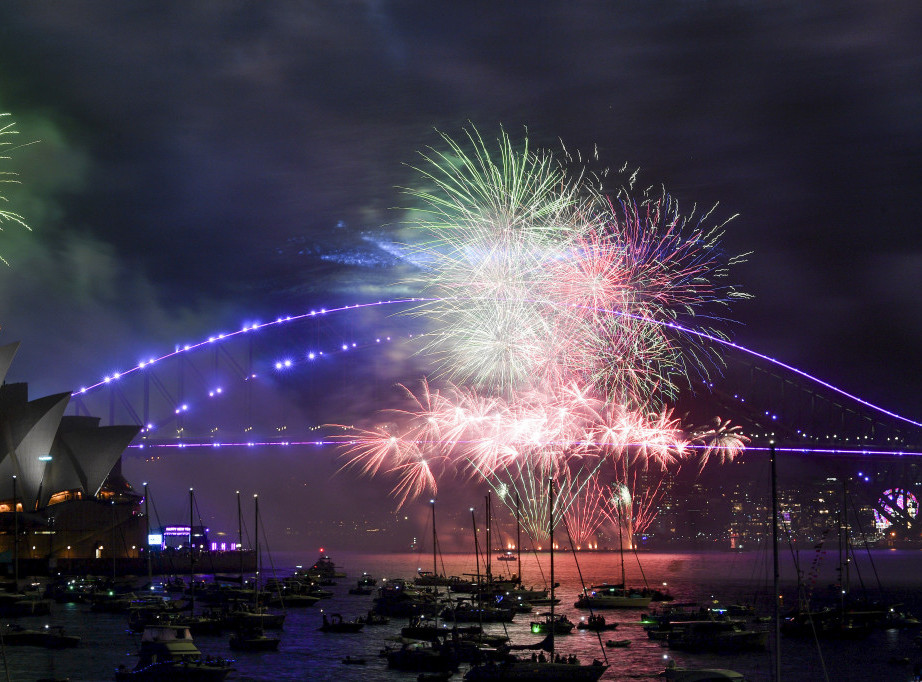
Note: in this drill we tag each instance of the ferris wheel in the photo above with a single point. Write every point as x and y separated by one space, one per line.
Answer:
895 506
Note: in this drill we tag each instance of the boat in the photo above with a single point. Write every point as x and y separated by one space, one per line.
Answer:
50 637
716 636
253 617
619 595
246 617
560 624
423 629
364 585
372 618
596 623
508 556
612 596
253 640
168 654
324 571
433 578
536 670
352 660
469 612
617 643
423 657
540 668
335 623
397 599
676 674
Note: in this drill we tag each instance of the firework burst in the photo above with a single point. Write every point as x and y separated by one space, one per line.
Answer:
557 318
543 279
514 445
719 441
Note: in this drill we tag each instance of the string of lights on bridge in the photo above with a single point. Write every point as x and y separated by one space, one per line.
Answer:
287 363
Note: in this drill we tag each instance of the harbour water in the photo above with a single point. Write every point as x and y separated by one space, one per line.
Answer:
727 578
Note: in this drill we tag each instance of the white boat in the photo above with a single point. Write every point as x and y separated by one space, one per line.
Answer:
168 653
612 597
675 674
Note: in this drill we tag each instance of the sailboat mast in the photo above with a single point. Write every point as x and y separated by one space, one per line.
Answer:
846 586
191 553
434 543
777 573
150 570
489 550
15 536
240 536
550 520
621 543
258 561
518 536
476 548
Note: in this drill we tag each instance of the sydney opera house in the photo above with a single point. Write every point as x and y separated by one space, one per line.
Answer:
62 476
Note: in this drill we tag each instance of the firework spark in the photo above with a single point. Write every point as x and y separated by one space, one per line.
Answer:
7 133
545 279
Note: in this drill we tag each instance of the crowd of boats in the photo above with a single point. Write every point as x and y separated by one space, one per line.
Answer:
445 623
448 621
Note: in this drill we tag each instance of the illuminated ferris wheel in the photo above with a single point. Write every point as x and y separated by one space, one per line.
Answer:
895 506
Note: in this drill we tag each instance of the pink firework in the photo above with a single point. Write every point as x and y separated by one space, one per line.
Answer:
514 445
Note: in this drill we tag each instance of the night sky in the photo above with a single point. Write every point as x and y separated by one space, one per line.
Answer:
201 164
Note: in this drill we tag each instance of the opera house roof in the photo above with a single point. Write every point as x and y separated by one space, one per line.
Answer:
47 452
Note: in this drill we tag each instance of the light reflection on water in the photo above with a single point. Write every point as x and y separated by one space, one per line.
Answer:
306 654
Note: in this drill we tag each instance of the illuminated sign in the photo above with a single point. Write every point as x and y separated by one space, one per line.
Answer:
155 539
176 530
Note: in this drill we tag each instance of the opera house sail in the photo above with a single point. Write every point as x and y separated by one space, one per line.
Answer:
63 500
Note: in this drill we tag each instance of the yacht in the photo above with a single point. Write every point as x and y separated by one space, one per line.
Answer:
167 653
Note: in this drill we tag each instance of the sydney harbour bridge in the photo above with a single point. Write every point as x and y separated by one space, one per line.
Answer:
284 382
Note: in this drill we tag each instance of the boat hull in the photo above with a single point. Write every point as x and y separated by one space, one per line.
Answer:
534 671
174 671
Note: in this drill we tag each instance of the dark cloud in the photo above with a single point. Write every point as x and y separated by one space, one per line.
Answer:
196 160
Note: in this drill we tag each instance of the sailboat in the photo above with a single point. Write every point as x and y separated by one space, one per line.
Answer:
614 596
433 578
537 669
256 615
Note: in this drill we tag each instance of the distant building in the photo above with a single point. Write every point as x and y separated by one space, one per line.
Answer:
62 477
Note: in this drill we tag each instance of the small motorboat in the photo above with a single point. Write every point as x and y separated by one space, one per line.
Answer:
253 639
351 660
596 623
335 623
372 618
50 637
617 643
676 674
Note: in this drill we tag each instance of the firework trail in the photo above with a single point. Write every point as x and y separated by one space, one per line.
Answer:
8 133
588 511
